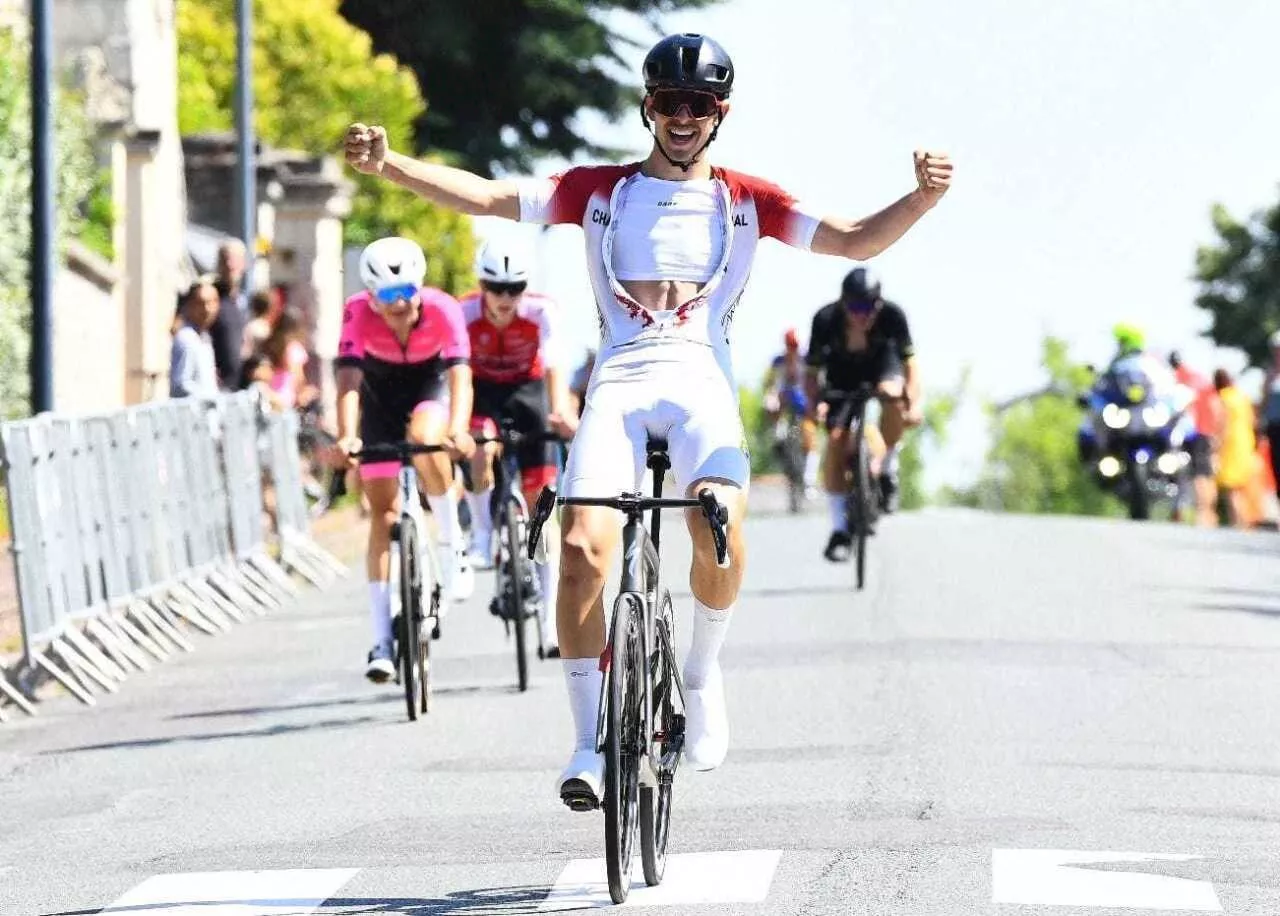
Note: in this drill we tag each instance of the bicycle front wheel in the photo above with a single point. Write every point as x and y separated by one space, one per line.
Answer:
518 565
623 737
668 730
410 614
863 510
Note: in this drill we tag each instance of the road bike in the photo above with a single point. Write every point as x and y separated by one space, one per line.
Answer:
640 729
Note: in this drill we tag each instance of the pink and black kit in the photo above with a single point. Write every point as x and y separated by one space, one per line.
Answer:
401 379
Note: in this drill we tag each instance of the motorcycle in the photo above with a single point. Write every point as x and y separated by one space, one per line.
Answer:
1135 439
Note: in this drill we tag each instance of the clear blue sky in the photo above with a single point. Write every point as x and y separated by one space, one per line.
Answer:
1090 140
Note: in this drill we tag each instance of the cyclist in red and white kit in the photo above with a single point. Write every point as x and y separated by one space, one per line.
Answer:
670 243
402 343
518 376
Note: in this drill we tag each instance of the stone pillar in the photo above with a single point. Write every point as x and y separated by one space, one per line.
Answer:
149 301
307 255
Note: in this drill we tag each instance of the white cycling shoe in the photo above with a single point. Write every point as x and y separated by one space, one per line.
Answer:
582 782
459 578
380 668
706 728
481 551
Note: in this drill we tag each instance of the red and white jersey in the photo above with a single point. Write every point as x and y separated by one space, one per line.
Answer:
596 198
520 352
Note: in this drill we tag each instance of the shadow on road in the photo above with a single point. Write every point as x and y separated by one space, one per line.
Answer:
270 731
1272 611
497 901
381 699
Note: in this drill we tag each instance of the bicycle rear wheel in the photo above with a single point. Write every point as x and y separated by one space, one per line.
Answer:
410 614
655 802
516 595
622 745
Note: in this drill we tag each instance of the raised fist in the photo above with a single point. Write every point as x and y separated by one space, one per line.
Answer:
366 147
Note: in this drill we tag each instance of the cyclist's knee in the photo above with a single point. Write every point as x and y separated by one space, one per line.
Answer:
584 549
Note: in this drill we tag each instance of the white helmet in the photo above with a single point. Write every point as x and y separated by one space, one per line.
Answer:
1275 339
392 261
497 263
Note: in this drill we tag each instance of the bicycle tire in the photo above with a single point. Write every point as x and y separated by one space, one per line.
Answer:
862 497
516 561
655 802
410 610
622 746
427 592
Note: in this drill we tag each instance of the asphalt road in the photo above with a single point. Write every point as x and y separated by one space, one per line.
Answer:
1018 716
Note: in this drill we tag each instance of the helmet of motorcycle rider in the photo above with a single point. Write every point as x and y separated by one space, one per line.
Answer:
1129 337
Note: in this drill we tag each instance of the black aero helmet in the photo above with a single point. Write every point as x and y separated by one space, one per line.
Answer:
860 285
688 61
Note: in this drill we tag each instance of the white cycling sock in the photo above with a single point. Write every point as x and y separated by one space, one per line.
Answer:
380 611
710 626
445 508
481 514
890 463
550 588
839 511
812 461
582 678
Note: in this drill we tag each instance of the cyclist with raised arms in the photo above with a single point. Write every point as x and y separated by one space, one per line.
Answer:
518 376
402 343
861 339
670 242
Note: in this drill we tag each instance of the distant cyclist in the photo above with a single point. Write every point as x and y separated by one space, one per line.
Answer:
861 338
403 344
516 362
784 392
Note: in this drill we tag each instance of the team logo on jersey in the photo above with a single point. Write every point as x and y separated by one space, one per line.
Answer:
599 217
739 219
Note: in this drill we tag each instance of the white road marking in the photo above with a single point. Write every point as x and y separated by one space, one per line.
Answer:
294 892
1053 877
690 878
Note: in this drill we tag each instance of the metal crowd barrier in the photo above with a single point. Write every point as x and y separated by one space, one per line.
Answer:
131 527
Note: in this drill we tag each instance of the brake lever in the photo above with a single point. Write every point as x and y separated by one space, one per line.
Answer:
717 516
542 510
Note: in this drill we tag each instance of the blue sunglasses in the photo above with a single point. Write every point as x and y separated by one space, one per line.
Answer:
390 295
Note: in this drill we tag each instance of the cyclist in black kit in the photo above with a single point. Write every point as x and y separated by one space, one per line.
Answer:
861 338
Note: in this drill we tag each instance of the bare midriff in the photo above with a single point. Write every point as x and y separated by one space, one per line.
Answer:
661 295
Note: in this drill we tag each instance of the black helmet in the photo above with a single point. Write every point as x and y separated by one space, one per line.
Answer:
688 61
860 285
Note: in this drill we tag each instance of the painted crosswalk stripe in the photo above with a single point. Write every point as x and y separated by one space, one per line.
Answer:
1059 877
690 878
292 892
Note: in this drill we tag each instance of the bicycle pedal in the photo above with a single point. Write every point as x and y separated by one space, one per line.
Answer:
578 797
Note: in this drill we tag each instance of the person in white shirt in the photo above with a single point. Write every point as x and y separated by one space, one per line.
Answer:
193 373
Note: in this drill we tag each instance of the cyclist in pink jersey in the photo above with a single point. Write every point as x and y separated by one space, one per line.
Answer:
670 243
401 342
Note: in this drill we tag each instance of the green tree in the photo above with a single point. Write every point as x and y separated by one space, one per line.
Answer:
508 78
74 175
313 74
1033 465
932 433
1240 281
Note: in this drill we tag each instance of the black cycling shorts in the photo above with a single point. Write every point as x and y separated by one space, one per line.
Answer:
390 397
525 405
1201 453
848 374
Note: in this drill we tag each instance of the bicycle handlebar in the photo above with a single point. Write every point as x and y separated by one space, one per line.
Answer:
395 451
715 512
511 437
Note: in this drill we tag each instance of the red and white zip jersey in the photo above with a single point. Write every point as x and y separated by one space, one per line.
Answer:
520 352
596 198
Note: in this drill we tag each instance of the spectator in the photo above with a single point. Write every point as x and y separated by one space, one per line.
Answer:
192 369
1271 409
288 356
1205 409
1237 454
228 330
258 328
255 375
